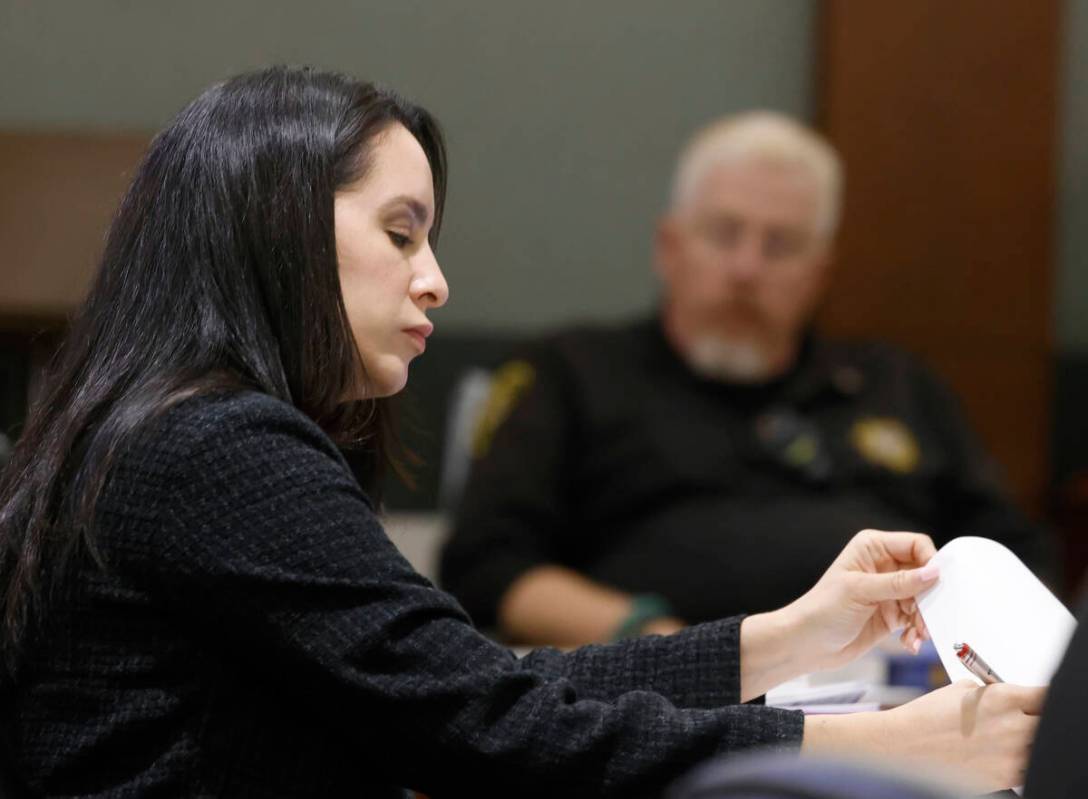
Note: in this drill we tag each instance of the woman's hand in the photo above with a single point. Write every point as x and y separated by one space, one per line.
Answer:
866 593
981 735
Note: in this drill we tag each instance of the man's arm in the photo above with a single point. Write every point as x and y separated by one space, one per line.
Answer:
504 560
558 606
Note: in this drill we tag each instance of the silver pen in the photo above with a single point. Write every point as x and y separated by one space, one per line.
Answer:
976 665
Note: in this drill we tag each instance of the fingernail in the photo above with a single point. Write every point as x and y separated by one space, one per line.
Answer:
916 646
929 572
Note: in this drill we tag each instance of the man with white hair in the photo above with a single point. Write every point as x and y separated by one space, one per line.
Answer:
710 461
744 249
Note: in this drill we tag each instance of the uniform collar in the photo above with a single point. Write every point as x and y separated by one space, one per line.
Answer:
822 367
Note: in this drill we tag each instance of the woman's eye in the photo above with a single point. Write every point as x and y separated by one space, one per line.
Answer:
400 241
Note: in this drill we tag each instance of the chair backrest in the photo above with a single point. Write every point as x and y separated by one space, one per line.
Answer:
466 403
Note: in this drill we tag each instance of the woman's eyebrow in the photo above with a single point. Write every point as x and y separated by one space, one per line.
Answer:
415 207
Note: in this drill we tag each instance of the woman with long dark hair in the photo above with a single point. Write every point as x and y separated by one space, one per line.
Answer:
197 595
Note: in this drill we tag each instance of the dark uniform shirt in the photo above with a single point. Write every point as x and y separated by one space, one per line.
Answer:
602 451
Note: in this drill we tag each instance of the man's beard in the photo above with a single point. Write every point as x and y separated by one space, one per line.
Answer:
728 360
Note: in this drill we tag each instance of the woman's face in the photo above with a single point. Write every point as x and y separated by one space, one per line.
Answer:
388 273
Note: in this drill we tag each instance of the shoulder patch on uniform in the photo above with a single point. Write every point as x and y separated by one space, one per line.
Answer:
508 385
886 442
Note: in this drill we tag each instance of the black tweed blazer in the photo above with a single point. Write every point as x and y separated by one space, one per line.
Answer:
255 633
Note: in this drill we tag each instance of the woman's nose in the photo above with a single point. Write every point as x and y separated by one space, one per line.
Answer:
429 286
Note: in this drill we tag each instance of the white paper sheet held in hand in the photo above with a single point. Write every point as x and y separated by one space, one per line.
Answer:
986 597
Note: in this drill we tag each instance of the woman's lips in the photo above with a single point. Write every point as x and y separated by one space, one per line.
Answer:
419 335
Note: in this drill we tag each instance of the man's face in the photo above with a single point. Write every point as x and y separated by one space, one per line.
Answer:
742 261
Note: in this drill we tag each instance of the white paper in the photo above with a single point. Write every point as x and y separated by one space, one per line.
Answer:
800 692
987 598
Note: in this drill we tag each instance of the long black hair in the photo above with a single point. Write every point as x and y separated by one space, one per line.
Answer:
219 272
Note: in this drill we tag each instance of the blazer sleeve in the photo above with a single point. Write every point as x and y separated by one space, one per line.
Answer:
266 545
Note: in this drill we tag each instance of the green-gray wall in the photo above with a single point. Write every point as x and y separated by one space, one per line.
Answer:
563 117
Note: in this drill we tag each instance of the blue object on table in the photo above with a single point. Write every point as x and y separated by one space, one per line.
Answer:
923 670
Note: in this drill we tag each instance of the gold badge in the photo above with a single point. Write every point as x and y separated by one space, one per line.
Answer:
886 442
509 383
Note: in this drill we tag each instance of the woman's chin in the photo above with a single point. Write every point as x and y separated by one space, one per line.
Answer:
391 381
384 375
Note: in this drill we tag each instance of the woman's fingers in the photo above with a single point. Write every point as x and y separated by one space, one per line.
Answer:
910 640
909 549
1027 699
914 630
902 584
920 625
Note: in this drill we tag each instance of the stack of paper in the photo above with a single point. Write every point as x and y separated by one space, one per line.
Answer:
836 697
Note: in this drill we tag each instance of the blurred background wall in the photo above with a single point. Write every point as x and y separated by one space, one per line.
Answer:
563 120
563 117
963 127
1071 265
